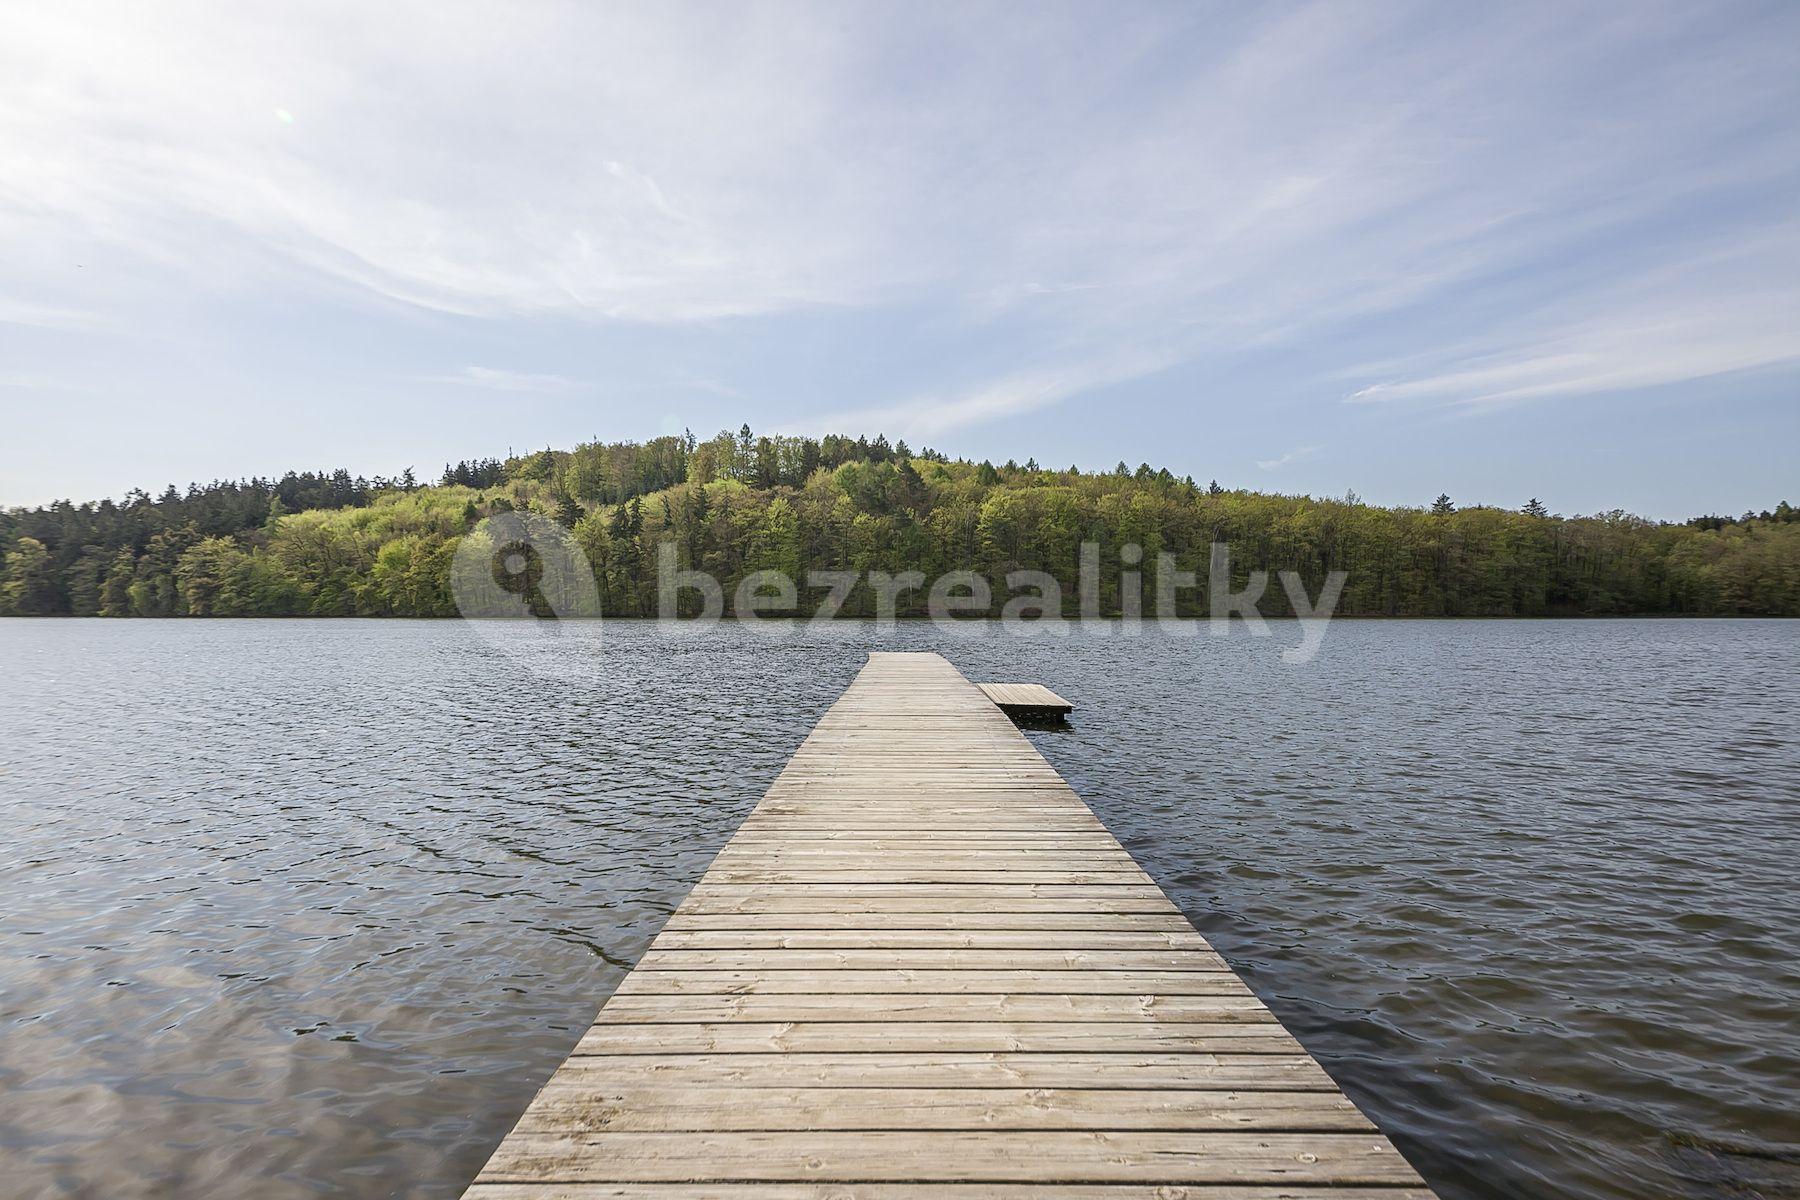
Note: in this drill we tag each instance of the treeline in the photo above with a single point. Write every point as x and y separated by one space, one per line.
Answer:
601 473
318 544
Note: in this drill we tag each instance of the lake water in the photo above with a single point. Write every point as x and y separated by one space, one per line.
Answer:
312 908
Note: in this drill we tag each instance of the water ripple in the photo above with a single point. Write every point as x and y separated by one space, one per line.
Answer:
312 908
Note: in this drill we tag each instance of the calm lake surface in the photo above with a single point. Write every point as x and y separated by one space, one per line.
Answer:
312 908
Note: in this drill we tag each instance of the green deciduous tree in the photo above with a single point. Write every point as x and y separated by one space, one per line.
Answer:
29 586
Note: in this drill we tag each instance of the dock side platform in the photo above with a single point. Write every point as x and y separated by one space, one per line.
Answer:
923 968
1026 699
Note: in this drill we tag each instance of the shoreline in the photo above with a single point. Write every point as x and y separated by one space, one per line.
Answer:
772 618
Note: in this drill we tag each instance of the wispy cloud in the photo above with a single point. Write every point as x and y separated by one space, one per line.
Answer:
1082 200
941 412
38 381
1298 454
1302 167
45 316
1676 323
509 381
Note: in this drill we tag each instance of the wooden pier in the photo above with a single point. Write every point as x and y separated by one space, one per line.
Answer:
923 968
1032 700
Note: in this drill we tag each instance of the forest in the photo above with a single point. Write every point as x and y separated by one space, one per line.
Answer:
327 544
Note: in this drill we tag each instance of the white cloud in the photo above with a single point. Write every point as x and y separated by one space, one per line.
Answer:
1298 454
468 158
950 409
509 381
1732 310
45 316
37 381
1121 195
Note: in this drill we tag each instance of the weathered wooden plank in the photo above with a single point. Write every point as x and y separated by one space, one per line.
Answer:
562 1108
932 1191
928 939
964 922
878 1008
657 959
959 1037
1093 897
1079 982
1018 898
808 1068
850 854
790 843
919 874
1060 1156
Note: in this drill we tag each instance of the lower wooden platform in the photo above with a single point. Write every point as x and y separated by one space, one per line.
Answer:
1026 699
923 968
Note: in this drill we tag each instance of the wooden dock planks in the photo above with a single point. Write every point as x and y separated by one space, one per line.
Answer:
1026 699
923 968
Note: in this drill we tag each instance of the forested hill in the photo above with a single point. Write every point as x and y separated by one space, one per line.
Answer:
330 545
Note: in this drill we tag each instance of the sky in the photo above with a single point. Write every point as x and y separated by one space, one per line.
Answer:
1499 251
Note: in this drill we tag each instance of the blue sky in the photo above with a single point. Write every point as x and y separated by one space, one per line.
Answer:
1500 251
